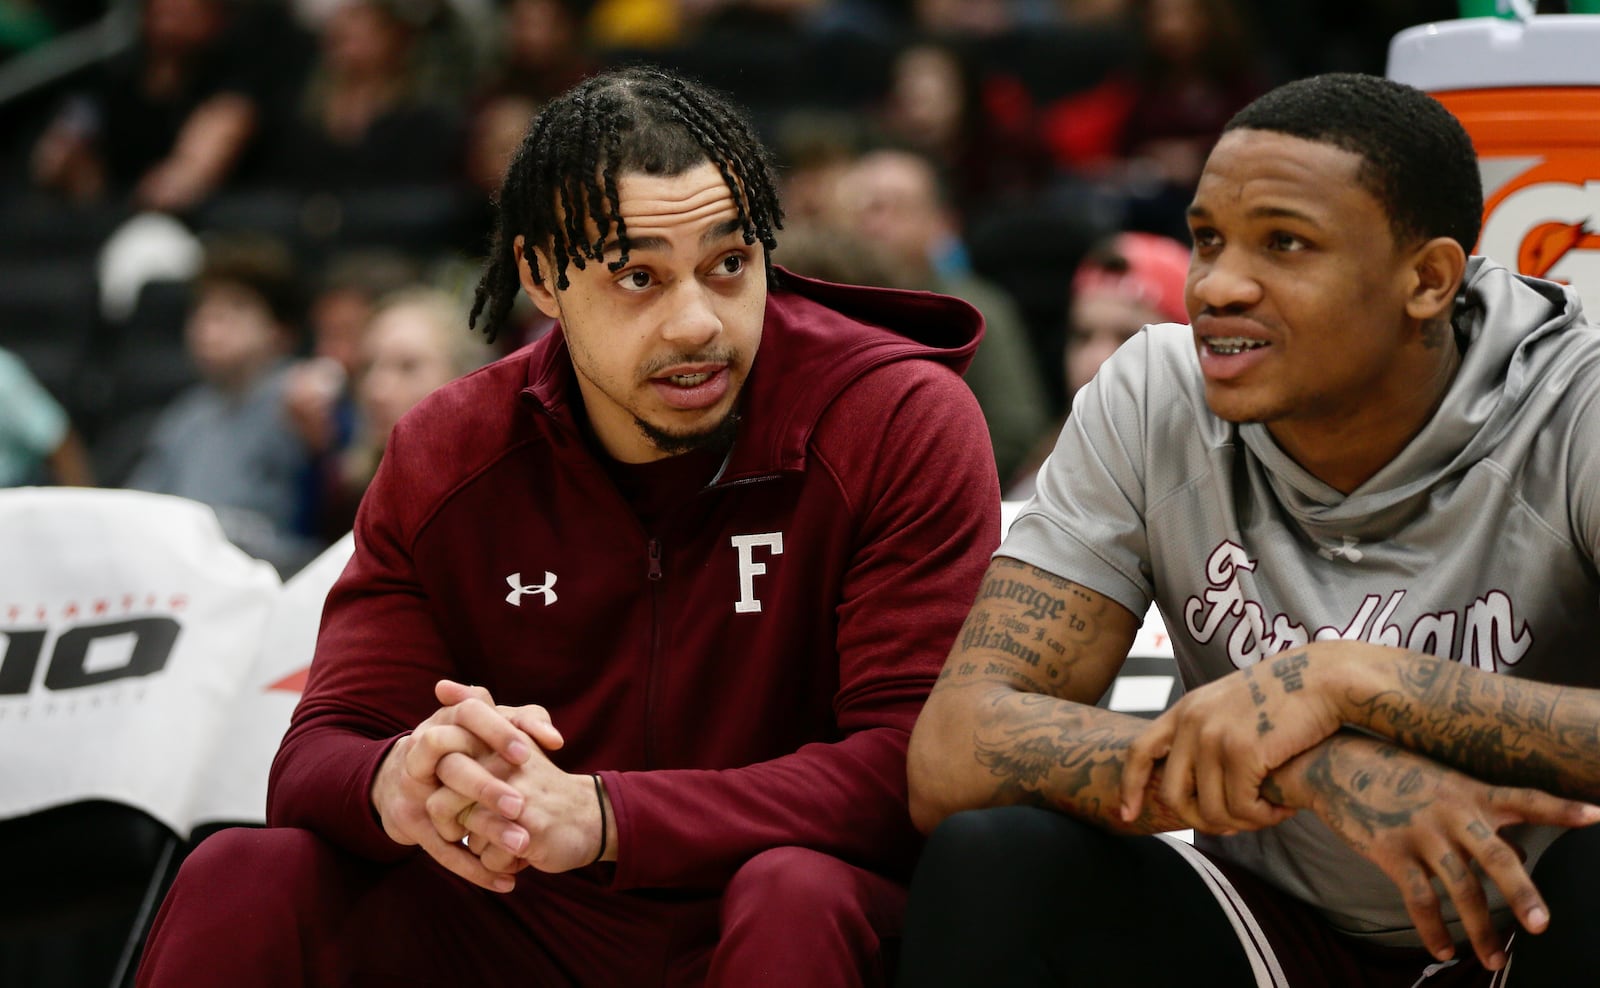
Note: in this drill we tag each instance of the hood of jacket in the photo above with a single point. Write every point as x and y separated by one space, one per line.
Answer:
1517 334
817 338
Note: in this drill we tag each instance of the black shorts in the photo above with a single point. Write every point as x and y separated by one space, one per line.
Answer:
1290 945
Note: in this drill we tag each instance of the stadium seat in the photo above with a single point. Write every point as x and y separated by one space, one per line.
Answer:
82 884
35 227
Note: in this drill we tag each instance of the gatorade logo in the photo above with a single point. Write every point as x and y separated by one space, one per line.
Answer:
1545 222
1546 244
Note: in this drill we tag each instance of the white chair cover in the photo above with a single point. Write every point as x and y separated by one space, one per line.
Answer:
128 624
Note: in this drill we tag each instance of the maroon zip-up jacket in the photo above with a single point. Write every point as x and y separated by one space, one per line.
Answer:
746 675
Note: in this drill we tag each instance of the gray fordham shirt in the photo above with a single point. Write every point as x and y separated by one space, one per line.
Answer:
1477 543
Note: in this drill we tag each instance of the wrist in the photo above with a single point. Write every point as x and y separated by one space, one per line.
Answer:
1336 667
1287 785
385 784
606 843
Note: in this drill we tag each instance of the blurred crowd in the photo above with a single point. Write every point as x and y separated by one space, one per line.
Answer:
236 249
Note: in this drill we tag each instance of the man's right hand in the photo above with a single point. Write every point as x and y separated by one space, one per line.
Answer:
1422 822
414 806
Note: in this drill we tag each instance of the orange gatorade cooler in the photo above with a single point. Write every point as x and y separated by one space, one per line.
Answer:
1528 91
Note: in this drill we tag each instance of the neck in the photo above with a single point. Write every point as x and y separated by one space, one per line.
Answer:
1345 451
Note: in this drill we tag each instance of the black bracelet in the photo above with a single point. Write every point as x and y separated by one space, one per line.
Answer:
600 797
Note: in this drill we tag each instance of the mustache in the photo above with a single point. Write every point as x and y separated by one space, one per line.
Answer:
715 355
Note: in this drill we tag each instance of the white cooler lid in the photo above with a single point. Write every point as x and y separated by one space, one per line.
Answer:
1492 52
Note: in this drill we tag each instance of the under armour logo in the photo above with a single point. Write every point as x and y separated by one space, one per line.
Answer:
547 588
1346 551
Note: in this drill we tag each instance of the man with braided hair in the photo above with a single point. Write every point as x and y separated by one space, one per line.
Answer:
686 552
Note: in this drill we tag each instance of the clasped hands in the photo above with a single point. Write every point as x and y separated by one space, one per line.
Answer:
1247 751
474 788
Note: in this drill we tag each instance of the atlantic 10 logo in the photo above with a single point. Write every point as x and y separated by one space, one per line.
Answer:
1544 221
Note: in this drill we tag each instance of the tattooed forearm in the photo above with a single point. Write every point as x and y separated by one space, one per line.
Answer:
1048 752
1496 728
1011 719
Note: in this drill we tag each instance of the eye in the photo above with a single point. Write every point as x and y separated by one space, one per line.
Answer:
636 280
1280 240
1205 237
731 264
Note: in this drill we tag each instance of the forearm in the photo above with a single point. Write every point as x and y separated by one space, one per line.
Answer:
1496 728
986 745
213 136
322 781
694 828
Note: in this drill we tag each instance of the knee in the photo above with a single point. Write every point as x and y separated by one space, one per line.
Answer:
798 878
1002 839
1567 868
255 867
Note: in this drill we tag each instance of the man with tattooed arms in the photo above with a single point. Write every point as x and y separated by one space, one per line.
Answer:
1364 491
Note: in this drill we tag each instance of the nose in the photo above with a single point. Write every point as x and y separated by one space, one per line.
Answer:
693 320
1222 282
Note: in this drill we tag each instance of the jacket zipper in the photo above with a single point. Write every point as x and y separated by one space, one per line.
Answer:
653 552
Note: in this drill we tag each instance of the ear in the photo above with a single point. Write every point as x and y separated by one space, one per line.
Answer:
1437 268
540 285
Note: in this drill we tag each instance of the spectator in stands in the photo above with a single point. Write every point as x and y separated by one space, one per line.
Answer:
1148 128
38 443
729 577
365 119
964 18
978 129
318 392
163 125
337 315
227 441
1126 282
895 199
1365 492
498 127
815 148
415 342
544 52
844 256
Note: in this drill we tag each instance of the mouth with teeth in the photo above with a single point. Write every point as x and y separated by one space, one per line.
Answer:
693 389
1227 346
689 380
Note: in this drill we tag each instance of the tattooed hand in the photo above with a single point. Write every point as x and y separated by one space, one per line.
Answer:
1422 822
1221 740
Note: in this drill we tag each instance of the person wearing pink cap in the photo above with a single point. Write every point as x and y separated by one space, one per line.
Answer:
1125 282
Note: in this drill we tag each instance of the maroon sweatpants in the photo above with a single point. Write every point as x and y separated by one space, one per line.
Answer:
281 908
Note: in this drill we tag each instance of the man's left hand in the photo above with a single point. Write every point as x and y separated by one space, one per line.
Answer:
561 814
1221 740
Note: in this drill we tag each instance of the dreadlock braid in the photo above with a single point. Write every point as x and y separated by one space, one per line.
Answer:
564 175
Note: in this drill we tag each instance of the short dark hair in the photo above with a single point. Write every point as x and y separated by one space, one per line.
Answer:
1417 159
261 265
634 119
